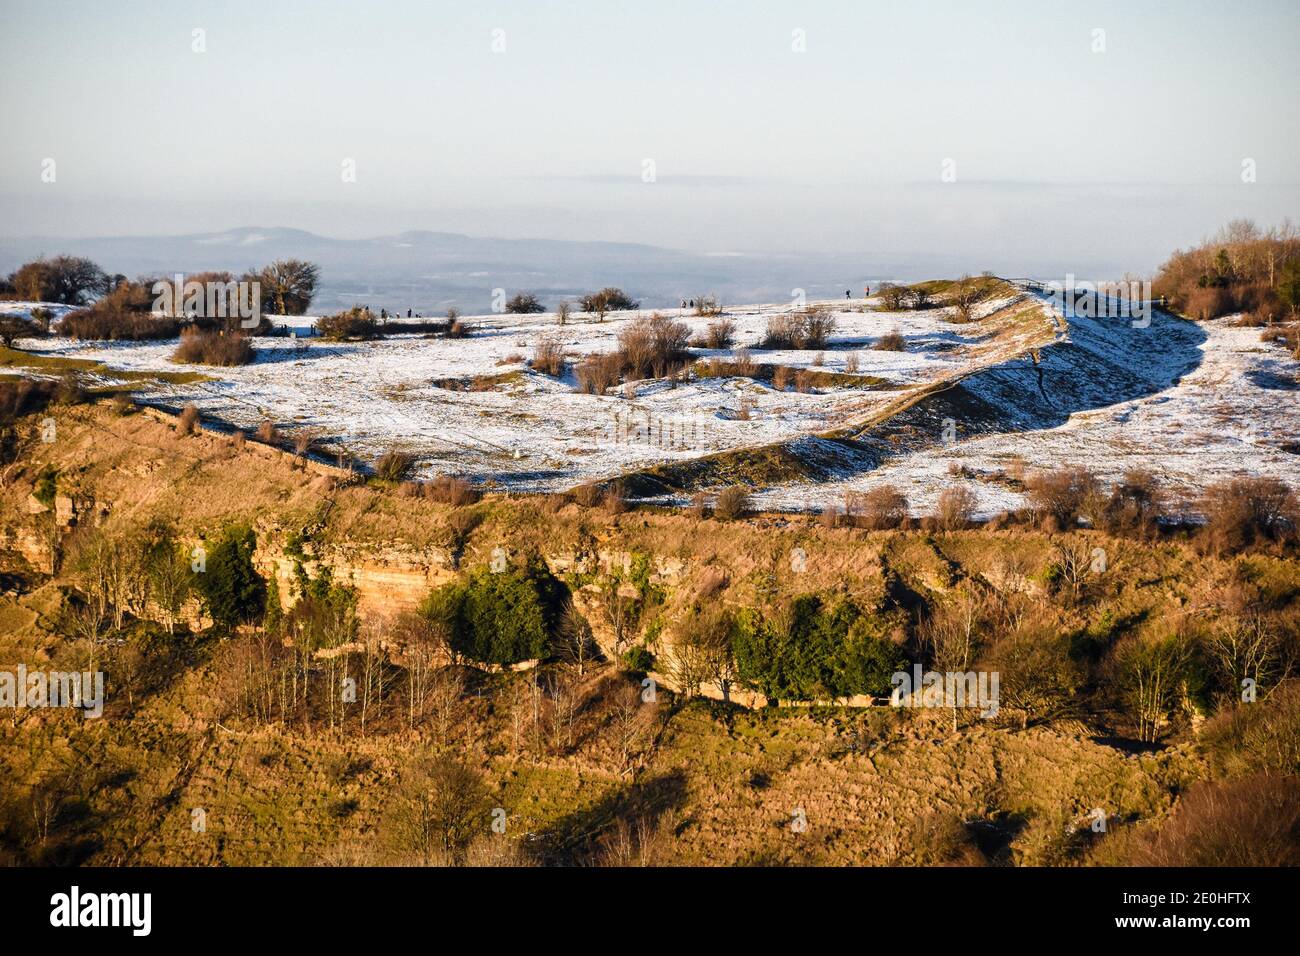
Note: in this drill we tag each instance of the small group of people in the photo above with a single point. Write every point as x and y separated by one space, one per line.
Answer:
384 316
866 292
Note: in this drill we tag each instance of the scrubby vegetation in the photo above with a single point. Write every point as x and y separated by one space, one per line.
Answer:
200 347
813 648
70 280
1241 269
296 679
497 616
608 299
524 303
356 324
799 330
650 347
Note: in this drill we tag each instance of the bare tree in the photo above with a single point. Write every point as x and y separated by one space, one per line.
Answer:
443 806
1152 673
622 610
631 723
577 646
171 580
1248 648
445 701
1074 560
952 634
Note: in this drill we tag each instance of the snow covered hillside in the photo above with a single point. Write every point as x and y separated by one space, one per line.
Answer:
1020 387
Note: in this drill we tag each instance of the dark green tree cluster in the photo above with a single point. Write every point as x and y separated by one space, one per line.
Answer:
233 592
815 649
498 618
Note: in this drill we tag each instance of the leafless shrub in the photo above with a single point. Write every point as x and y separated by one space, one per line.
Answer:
964 295
1251 821
393 465
955 508
891 296
304 440
699 506
708 305
1061 495
612 500
1248 511
880 508
608 299
523 303
720 334
1134 507
267 433
918 298
803 381
962 313
732 503
356 324
784 331
563 311
188 422
819 325
449 490
781 377
588 495
548 356
892 341
599 372
221 348
653 347
852 363
69 391
457 329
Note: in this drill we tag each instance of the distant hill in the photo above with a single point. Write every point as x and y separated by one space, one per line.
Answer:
430 271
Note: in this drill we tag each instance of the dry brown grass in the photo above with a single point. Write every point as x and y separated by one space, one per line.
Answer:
451 491
1250 821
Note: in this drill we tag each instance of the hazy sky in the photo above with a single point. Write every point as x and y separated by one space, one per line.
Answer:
755 146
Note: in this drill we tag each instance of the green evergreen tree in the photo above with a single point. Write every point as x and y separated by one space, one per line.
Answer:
232 590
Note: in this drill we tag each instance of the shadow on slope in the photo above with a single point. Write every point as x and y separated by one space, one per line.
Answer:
1097 363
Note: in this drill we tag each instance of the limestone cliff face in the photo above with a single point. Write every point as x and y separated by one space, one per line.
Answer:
388 580
392 579
32 546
